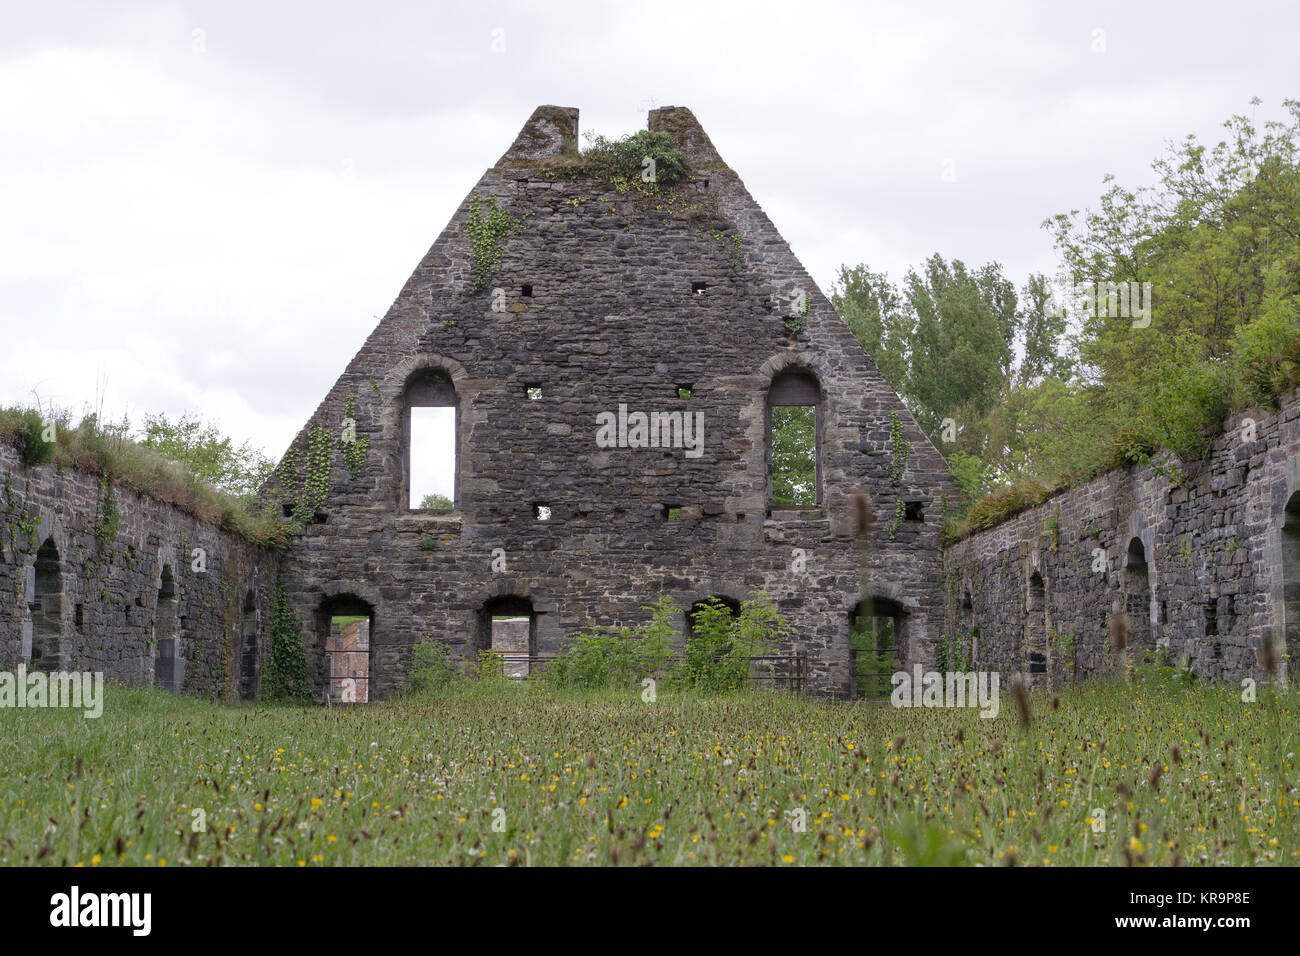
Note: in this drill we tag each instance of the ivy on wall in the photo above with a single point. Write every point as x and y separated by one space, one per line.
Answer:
354 447
285 675
902 448
488 227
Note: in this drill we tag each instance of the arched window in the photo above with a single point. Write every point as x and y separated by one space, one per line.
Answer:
248 663
1137 596
47 609
1291 580
793 440
168 668
508 627
1036 626
873 648
430 423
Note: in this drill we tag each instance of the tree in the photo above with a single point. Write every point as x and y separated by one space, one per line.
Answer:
208 453
435 502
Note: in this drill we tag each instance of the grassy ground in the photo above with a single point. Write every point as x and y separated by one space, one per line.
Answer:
520 775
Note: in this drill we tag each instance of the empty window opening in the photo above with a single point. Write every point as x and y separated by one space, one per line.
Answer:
793 424
430 449
47 609
542 512
345 632
1211 619
699 288
912 511
672 512
508 628
168 669
1291 579
287 509
685 391
534 392
249 666
1036 626
526 290
1137 596
873 648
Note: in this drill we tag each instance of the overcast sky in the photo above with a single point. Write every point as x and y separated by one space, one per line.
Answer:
208 206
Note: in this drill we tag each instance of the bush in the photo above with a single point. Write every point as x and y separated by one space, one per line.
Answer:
620 162
717 655
431 671
618 657
32 446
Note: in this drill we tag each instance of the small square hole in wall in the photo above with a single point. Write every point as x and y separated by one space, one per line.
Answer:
542 512
534 392
672 512
526 290
912 511
685 391
699 288
288 509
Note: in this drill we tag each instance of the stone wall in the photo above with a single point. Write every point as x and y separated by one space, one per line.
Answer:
96 578
611 300
1203 566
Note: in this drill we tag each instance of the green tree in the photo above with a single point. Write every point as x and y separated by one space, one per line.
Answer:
435 502
211 455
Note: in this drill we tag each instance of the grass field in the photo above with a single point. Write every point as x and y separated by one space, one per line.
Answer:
519 775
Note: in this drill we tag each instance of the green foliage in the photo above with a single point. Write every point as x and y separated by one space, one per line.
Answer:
107 517
354 446
617 657
285 674
488 227
208 453
622 162
490 669
901 449
431 671
718 652
33 449
794 455
435 502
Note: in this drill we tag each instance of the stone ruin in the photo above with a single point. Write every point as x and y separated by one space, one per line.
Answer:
610 362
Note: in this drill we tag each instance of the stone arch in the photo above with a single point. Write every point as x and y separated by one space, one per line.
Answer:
344 652
507 625
1137 595
394 416
1035 657
46 650
1289 571
249 661
877 646
169 668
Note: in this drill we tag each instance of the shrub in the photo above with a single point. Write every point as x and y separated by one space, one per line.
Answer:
618 657
620 162
717 655
431 671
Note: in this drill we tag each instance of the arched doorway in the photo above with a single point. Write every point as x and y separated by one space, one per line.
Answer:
345 637
168 667
874 643
249 665
1291 579
1036 626
508 627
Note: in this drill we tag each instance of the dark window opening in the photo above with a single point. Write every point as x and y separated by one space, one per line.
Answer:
249 667
1137 595
526 290
912 511
873 648
1291 580
1036 626
168 666
47 609
699 288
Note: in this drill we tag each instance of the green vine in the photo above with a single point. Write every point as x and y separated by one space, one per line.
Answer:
902 448
312 487
487 232
900 510
285 676
355 448
107 517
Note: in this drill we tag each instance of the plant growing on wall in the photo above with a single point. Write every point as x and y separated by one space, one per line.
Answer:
354 447
285 675
488 227
902 448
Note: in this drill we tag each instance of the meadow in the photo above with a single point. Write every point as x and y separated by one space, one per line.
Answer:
1152 772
